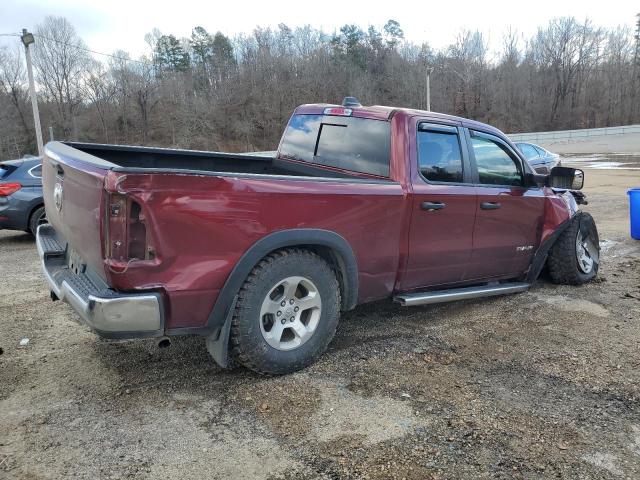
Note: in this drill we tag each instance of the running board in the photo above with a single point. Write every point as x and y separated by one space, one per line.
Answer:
439 296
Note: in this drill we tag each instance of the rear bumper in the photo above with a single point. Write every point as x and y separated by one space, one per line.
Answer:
110 314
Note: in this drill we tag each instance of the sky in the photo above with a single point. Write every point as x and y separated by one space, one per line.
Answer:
108 25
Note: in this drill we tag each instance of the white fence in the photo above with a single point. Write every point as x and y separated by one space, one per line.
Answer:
565 134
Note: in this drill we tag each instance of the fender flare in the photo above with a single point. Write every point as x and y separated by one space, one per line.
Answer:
220 318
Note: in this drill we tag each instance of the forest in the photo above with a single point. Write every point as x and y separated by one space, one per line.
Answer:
215 92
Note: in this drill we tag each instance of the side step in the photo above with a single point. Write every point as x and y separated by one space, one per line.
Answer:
439 296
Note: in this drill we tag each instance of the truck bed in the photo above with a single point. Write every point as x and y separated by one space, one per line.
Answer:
212 207
131 158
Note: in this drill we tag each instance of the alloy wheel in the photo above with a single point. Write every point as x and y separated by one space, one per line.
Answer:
290 313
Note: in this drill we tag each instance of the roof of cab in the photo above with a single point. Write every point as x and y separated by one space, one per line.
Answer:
380 112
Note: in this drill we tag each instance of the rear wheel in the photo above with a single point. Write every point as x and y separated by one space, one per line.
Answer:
287 313
38 217
575 257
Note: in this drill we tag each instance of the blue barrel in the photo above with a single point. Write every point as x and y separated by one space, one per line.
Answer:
634 204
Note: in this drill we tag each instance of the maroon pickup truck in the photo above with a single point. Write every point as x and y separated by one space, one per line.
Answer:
260 254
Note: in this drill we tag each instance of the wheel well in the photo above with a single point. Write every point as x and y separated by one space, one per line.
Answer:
337 264
330 246
33 210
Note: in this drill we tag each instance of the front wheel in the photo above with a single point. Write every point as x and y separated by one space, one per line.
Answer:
575 257
286 314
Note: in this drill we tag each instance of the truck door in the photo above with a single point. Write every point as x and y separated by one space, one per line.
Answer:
443 209
509 216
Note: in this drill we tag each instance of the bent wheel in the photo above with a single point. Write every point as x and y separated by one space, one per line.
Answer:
575 257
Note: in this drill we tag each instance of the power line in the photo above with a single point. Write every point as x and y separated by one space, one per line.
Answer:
89 50
60 42
95 52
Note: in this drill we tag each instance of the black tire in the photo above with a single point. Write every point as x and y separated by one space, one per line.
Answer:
37 216
563 261
248 344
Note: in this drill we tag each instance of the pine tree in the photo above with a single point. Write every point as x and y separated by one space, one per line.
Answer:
224 62
201 47
170 55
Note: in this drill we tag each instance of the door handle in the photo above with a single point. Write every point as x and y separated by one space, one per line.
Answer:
430 206
490 205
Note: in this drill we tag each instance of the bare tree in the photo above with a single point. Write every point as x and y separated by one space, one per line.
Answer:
99 90
13 84
142 89
61 64
215 92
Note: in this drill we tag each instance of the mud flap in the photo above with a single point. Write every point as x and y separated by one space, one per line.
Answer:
218 347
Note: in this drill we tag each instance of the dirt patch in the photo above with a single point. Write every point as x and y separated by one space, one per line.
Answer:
575 305
373 420
543 384
295 394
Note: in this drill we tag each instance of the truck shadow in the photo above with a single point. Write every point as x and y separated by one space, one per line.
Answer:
186 366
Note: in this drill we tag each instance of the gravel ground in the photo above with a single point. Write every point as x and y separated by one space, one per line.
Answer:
543 384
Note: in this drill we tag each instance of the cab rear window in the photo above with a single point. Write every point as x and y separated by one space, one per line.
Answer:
357 144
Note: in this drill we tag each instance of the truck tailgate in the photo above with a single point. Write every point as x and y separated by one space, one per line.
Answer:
73 192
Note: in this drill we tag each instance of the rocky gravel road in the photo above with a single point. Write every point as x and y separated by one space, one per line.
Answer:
543 384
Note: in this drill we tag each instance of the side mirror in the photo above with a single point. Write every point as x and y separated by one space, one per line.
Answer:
566 177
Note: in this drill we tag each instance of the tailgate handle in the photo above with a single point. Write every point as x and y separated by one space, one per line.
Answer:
58 168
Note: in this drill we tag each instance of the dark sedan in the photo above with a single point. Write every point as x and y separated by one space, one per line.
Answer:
21 204
541 160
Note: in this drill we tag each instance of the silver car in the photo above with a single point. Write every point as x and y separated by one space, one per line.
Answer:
541 160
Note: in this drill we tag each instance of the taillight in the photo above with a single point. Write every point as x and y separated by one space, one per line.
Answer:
7 189
126 230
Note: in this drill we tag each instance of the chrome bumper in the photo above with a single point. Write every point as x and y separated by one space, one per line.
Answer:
110 314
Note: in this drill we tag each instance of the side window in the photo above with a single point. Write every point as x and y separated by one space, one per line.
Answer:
495 165
36 171
528 151
439 154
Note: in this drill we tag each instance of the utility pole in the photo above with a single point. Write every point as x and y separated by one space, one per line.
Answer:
27 39
635 81
637 37
429 70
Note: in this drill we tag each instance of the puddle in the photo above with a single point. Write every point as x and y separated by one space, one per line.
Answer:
603 161
606 245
